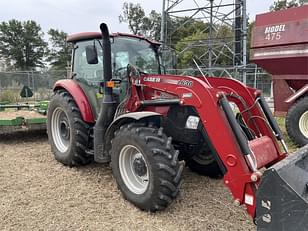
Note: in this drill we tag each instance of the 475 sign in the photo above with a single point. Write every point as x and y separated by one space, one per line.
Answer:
274 32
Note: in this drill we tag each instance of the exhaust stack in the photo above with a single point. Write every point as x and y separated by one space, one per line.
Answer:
107 68
108 106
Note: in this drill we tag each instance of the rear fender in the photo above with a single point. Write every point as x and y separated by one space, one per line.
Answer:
79 96
301 92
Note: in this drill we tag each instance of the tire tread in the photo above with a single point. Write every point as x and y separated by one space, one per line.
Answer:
164 157
292 124
77 155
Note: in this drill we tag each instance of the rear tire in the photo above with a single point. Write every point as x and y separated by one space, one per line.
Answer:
297 122
145 166
205 165
67 132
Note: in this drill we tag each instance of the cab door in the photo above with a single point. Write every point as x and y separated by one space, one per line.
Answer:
89 76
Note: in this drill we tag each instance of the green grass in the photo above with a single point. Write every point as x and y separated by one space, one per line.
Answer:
281 122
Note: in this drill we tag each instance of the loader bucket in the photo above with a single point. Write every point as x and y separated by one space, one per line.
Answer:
282 196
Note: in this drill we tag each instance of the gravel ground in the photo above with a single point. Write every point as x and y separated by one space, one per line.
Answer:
38 193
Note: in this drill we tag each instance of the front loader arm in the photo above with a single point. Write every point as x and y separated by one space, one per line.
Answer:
206 97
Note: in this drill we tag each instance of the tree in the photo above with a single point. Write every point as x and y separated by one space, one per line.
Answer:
133 14
185 57
185 31
139 23
249 38
183 27
280 5
22 45
152 24
60 53
2 64
192 46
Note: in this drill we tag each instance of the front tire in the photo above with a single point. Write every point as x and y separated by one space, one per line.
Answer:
67 132
145 166
297 122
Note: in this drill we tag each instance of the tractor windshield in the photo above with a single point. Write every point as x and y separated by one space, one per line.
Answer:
134 51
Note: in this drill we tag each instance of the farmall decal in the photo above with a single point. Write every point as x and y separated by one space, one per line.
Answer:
151 79
274 32
182 82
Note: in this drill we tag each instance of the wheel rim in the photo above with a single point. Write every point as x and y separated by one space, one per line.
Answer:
203 158
134 169
303 124
60 130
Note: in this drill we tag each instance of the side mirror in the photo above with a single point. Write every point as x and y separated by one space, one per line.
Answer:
91 54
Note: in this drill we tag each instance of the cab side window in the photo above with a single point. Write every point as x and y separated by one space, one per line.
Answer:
83 70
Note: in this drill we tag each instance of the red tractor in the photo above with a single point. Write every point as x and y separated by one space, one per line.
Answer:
118 107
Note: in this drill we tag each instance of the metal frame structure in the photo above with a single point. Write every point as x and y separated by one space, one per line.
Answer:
216 14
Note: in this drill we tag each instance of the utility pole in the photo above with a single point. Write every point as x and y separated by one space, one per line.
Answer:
163 24
244 13
211 35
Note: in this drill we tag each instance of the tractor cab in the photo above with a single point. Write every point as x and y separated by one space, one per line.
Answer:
87 62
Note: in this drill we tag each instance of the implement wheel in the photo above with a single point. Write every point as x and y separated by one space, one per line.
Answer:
297 122
145 166
67 132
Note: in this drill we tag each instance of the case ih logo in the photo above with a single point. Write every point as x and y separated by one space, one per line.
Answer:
151 79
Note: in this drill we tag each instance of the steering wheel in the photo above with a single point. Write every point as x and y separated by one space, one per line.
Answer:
120 72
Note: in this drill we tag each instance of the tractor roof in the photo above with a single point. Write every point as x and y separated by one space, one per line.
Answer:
93 35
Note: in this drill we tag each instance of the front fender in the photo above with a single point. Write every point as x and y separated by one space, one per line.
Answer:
128 118
79 96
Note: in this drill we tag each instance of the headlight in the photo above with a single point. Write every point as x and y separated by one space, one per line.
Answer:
192 122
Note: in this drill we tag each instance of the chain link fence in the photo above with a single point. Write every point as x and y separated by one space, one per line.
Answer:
28 86
253 76
40 84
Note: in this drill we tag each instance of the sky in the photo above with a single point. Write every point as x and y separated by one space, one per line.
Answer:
74 16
